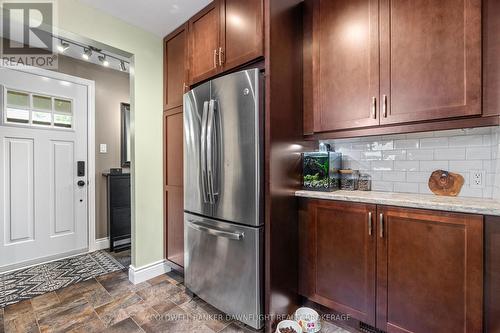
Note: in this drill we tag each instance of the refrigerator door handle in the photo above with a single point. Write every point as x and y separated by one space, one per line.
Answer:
204 178
216 232
212 152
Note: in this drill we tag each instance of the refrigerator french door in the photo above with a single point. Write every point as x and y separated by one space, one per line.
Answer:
223 232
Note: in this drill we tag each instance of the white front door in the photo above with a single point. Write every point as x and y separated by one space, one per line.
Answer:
43 168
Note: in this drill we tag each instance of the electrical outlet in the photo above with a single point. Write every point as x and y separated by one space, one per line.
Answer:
477 178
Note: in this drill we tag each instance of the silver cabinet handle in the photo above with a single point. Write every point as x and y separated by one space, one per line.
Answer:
204 178
384 106
216 232
215 58
221 57
370 223
374 107
381 225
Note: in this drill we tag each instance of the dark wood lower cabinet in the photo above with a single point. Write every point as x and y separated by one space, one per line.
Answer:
492 274
398 269
174 198
429 271
341 257
173 186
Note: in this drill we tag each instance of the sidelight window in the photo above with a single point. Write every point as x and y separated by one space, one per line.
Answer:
37 110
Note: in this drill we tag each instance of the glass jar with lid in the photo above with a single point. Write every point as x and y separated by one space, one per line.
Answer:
349 179
365 182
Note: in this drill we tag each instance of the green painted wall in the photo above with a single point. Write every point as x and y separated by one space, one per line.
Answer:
146 96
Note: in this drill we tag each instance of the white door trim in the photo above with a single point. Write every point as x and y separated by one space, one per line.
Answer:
92 243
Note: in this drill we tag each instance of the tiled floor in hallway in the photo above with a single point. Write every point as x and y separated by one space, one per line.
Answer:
111 303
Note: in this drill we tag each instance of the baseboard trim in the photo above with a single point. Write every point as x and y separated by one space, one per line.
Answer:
140 274
102 244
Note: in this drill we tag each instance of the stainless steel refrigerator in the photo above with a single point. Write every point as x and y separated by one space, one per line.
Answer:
223 201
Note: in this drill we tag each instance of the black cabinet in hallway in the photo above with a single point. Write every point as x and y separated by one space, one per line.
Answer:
118 187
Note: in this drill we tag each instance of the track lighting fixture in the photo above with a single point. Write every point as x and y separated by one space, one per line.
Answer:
87 53
63 46
103 60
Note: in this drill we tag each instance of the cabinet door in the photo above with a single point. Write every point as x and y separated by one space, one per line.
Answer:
345 64
174 205
242 32
430 59
340 269
204 43
174 147
429 271
175 67
175 226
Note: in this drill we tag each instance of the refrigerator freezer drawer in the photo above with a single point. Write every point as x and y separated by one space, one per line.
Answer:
224 266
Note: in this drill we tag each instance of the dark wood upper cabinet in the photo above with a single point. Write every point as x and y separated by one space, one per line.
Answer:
373 63
430 59
204 43
491 50
175 67
242 32
339 249
225 35
429 271
345 64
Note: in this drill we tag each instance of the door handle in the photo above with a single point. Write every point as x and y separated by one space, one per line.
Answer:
374 107
204 178
369 223
384 106
212 152
381 225
216 232
215 58
80 183
221 57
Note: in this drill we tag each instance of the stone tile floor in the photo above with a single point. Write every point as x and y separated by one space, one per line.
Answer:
110 303
123 257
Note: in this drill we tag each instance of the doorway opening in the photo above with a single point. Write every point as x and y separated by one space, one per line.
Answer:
62 133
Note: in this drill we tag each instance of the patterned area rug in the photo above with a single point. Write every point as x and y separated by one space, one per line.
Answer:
29 282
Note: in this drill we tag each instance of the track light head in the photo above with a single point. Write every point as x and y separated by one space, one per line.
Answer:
87 53
63 46
103 60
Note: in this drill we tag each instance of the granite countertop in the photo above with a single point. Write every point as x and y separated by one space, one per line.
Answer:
425 201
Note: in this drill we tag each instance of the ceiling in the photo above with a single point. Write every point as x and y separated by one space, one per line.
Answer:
157 16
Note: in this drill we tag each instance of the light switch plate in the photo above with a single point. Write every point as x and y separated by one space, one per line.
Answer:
103 148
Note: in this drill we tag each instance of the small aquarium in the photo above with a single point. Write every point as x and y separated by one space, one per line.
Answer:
321 171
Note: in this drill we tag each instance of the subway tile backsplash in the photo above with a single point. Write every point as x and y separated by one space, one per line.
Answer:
403 163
